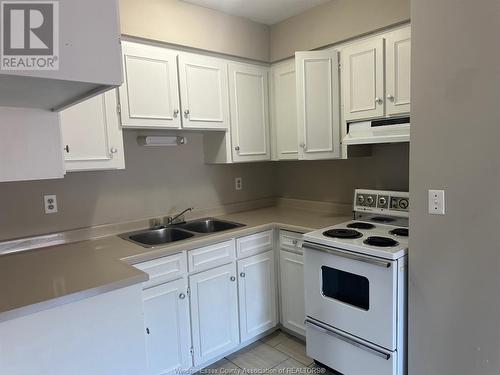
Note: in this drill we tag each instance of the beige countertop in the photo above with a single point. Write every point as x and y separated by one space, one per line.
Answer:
36 280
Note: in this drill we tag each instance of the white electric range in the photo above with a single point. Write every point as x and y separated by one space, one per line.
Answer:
355 276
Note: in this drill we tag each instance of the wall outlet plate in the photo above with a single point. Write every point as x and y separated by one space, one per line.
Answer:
50 203
238 183
436 202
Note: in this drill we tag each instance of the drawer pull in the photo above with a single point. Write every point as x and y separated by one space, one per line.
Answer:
348 340
182 296
242 274
232 278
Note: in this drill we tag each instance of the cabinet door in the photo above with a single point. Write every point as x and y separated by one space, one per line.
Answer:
92 136
248 96
168 336
363 79
149 96
292 291
257 295
318 108
398 59
284 105
214 312
204 92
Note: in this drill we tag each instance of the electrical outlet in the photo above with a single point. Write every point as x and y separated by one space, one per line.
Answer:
50 203
238 183
436 202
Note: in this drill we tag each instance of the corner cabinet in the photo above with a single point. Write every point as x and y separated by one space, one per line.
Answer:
204 92
284 111
149 96
214 312
248 96
168 332
91 134
318 107
376 76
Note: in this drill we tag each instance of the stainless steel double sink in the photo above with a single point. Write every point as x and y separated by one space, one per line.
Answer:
164 235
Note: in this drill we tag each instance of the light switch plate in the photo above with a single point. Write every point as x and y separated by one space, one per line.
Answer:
436 202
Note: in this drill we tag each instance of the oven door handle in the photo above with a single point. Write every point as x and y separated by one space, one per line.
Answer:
348 340
345 254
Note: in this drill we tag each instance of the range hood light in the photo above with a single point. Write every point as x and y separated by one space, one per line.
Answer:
161 140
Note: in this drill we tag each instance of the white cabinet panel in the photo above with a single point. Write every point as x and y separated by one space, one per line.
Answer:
318 108
398 63
248 92
284 108
292 291
91 134
254 243
149 96
163 269
30 144
168 336
363 79
257 294
214 312
204 92
211 256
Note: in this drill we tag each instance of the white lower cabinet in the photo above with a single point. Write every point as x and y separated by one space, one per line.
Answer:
168 333
214 312
257 294
292 291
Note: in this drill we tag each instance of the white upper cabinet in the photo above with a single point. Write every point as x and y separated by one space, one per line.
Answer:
91 133
149 96
363 79
168 333
204 92
398 63
248 96
318 108
284 109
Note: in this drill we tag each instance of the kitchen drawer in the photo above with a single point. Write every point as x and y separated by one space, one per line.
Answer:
291 241
348 354
254 244
211 256
163 269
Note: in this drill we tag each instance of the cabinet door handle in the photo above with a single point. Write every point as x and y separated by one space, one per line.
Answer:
182 296
378 100
390 97
176 112
66 149
242 274
147 331
295 242
237 148
113 150
232 278
186 113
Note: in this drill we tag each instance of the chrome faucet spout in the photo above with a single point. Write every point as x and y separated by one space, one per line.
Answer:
179 218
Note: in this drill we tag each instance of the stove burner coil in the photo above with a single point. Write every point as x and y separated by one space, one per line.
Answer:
343 233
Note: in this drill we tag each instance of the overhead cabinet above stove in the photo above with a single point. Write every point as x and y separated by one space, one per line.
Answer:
86 47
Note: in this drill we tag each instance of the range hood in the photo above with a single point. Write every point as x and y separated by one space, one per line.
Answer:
378 131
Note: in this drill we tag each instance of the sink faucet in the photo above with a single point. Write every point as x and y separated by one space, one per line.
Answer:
179 218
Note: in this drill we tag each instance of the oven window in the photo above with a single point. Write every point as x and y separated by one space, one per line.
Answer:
346 287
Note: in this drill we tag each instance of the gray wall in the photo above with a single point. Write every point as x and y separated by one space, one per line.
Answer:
335 21
159 180
335 180
455 259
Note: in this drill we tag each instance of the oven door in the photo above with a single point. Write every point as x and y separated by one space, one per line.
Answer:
352 292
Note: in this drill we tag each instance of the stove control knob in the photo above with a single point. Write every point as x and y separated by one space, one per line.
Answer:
403 203
382 201
369 200
361 199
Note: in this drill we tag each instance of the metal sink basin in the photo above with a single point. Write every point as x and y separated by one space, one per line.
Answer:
159 236
209 225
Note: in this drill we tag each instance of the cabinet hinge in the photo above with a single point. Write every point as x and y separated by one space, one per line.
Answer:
191 350
118 108
188 291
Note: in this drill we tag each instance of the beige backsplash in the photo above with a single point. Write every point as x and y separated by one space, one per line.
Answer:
162 180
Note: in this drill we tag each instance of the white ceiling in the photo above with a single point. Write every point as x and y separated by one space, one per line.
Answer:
263 11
